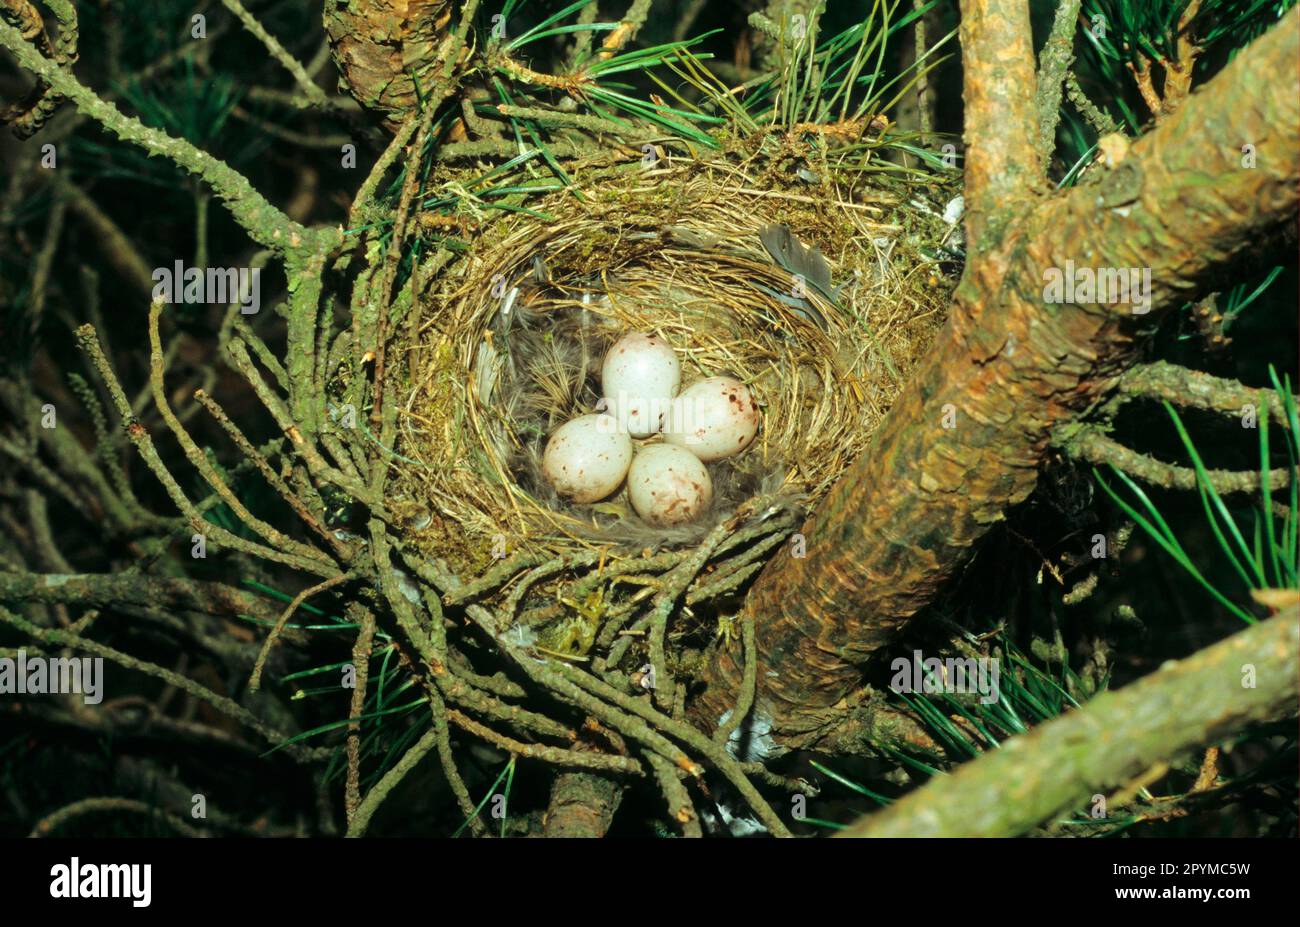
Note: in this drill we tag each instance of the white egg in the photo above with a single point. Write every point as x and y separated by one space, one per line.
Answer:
668 485
640 377
587 458
712 418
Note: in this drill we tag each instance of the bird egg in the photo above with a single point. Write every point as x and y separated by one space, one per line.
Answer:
640 377
712 418
668 485
587 458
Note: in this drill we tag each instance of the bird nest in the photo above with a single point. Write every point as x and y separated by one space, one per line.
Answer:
819 304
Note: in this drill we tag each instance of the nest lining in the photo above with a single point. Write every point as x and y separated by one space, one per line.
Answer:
521 326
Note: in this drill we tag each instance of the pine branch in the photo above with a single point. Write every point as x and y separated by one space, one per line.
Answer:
1053 64
1108 742
29 116
1002 165
105 590
1096 117
582 804
264 223
65 638
1006 373
1095 447
312 92
53 821
1194 389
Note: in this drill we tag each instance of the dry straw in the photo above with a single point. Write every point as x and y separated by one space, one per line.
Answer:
511 344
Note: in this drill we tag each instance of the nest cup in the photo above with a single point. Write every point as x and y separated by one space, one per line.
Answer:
512 348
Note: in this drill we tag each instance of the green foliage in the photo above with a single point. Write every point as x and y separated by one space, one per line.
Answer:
1269 560
1127 28
1029 693
846 80
1118 33
183 105
508 774
1236 299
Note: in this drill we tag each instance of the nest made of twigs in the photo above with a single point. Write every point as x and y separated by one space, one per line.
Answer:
511 347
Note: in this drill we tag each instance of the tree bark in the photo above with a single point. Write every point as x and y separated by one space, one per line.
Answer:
965 439
582 805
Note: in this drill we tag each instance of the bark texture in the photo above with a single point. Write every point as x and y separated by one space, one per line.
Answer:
582 805
378 45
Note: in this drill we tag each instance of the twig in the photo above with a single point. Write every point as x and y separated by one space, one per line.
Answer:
139 436
263 222
626 30
66 638
577 759
1100 121
196 457
693 738
460 691
1053 64
748 685
361 669
1193 389
1178 73
31 114
494 577
108 590
1097 448
359 820
255 680
680 807
924 98
316 464
448 760
291 64
674 585
341 550
52 822
412 181
554 680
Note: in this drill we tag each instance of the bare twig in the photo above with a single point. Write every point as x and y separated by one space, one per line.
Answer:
1053 64
312 92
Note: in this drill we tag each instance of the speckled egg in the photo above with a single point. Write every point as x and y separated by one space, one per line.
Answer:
668 485
712 418
640 377
587 458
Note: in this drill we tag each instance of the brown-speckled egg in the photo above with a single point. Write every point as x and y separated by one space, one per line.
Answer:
668 485
587 458
713 418
639 378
